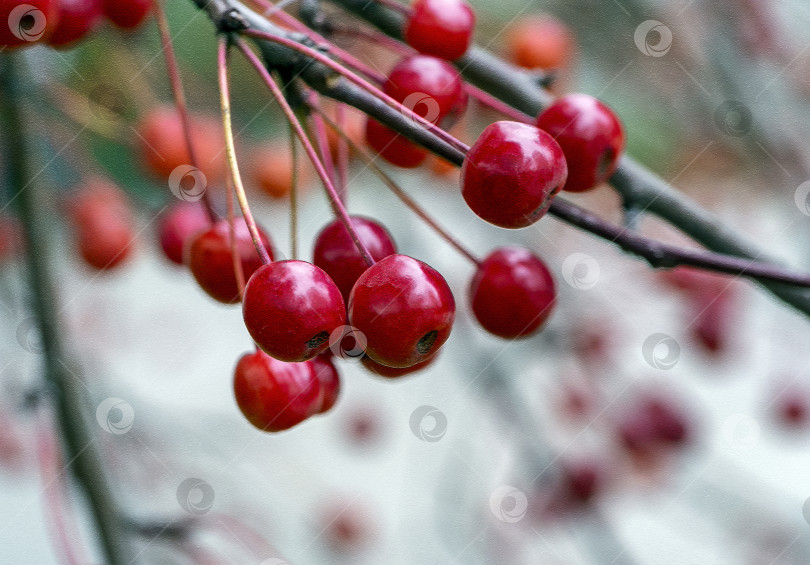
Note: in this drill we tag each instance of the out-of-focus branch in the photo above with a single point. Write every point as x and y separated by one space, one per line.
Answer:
81 451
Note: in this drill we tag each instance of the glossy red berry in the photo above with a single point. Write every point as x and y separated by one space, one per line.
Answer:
26 22
511 174
179 223
404 308
442 28
328 381
392 146
291 309
77 18
274 395
512 293
104 226
127 14
394 372
210 260
590 135
336 253
428 86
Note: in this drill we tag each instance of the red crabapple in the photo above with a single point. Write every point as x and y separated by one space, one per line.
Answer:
512 173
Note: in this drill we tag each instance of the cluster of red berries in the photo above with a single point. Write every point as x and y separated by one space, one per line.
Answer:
61 23
397 310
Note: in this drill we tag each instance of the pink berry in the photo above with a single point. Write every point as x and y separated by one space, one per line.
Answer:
210 260
336 253
291 308
512 293
442 28
590 135
511 174
274 395
404 308
177 224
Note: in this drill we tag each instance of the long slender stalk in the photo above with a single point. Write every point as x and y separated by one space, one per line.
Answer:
173 70
230 147
334 198
70 405
414 206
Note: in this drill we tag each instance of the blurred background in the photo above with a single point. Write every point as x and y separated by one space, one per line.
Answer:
537 451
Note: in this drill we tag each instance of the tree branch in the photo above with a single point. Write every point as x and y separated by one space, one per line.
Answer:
632 181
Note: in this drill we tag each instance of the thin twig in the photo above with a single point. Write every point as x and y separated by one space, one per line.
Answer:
334 198
230 149
173 70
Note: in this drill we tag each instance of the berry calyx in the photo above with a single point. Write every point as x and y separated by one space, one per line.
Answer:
179 223
127 14
512 293
210 260
428 86
405 309
511 174
291 308
274 395
77 18
27 22
393 146
590 135
336 253
442 28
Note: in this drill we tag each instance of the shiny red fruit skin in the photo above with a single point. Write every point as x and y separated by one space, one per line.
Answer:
328 379
392 372
274 395
291 308
127 14
177 224
428 86
442 28
16 17
77 18
590 135
103 223
512 173
512 293
405 309
393 147
336 253
208 257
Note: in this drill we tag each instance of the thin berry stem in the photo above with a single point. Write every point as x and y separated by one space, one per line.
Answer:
347 58
322 144
343 153
361 82
230 147
294 196
486 99
237 262
173 70
334 198
392 185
